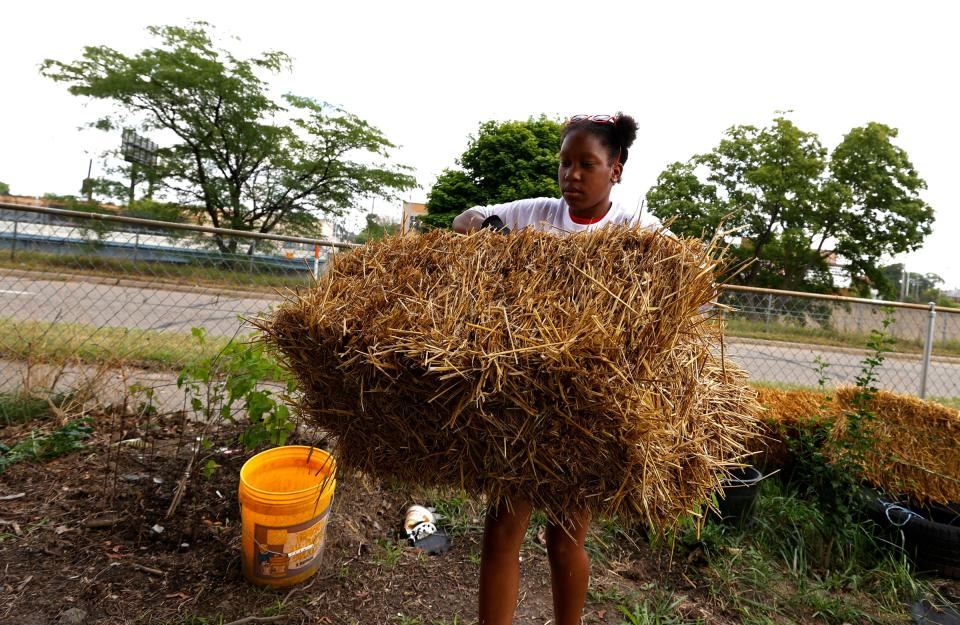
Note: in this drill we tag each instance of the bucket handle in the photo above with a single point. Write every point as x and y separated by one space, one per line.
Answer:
319 519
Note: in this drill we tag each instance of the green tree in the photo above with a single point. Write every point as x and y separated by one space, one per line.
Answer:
4 188
250 162
920 288
505 161
377 227
794 208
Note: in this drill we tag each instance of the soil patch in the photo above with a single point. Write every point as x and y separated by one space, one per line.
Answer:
91 533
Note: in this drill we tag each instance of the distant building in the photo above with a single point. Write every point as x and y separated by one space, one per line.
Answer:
953 294
411 216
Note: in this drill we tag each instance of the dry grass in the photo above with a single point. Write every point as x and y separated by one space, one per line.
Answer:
575 372
916 450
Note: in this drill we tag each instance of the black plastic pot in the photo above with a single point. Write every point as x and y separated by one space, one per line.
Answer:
739 494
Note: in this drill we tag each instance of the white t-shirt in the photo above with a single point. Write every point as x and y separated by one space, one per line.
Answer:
553 215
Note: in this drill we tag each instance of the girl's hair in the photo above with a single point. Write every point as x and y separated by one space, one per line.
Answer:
617 137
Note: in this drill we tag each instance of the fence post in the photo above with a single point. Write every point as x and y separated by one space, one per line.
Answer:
927 349
316 260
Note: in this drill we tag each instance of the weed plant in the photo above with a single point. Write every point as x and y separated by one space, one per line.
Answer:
234 385
24 407
39 447
808 554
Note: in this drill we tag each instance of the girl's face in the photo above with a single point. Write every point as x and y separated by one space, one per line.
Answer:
586 174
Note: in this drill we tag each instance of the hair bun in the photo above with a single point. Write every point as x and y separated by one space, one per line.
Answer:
626 130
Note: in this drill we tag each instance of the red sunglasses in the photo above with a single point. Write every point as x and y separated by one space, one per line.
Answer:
597 119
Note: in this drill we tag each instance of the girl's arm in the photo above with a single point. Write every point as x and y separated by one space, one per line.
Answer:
467 221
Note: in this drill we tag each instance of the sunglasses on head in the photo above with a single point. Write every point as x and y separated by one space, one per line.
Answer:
596 119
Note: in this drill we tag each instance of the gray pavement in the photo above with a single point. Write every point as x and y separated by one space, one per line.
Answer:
105 305
792 363
167 310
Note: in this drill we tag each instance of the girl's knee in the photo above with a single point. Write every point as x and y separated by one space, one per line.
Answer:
564 550
565 543
505 528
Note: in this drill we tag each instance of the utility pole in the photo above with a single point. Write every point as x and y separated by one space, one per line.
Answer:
904 283
88 183
133 184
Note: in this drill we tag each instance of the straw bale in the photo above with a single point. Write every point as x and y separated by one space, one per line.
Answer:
575 372
916 443
785 415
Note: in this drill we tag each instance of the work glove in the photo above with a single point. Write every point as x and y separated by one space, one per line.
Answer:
496 223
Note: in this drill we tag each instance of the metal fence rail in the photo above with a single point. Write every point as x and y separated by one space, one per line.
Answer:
104 287
778 335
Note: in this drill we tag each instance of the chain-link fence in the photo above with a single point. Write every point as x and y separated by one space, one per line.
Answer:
79 290
779 336
88 290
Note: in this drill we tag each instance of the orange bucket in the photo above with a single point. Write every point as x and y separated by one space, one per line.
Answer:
285 499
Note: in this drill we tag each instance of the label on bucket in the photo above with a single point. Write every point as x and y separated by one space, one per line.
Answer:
287 551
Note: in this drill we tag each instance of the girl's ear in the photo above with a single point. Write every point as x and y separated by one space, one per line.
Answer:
617 172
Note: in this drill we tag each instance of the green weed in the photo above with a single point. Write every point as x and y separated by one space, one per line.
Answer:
660 609
20 408
42 447
389 553
230 385
609 595
457 513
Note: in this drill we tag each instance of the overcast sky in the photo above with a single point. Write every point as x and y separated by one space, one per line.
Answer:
427 73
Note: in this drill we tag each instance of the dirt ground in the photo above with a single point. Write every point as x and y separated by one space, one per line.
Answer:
87 538
90 531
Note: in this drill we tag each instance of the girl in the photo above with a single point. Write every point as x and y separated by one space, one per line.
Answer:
593 151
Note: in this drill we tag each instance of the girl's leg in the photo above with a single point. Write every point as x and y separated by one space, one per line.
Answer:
500 562
569 568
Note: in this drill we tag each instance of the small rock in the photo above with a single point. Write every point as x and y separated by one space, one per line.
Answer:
157 528
73 616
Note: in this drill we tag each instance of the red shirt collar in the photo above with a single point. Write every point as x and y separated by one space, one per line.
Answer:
586 222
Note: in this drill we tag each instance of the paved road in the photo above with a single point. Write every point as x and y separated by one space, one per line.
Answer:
178 311
123 306
793 363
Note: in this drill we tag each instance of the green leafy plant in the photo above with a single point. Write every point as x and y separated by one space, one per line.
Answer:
828 466
237 382
40 447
